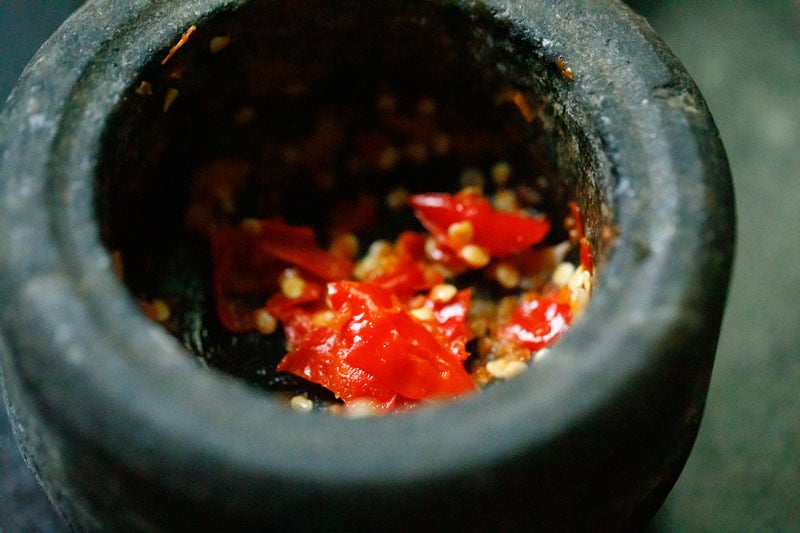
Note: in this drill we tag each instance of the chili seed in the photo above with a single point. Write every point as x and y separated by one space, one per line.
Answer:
371 263
360 408
541 354
443 293
563 273
144 89
505 200
301 404
323 318
219 43
580 278
425 314
505 369
501 171
475 256
397 198
169 98
344 245
292 285
155 310
507 275
265 322
460 233
580 299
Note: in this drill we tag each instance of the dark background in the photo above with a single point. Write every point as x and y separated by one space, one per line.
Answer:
744 471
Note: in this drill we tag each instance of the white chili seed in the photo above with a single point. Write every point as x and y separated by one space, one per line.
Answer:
460 233
563 273
323 318
475 256
424 314
505 200
292 285
443 293
360 408
265 322
507 275
505 369
301 404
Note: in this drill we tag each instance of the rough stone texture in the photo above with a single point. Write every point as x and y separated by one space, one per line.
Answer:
23 28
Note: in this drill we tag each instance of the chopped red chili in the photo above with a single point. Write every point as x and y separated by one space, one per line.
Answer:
373 348
391 330
537 322
402 268
500 233
249 258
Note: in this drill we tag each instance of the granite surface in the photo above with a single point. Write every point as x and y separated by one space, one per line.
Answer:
744 472
24 26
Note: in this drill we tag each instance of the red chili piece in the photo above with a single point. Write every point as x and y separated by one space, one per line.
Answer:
498 232
375 349
537 322
249 258
405 270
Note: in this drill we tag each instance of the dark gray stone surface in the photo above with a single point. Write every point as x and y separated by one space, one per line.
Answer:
744 472
24 26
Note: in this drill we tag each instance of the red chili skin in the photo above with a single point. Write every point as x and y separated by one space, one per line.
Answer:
498 232
318 358
577 219
406 271
537 322
449 323
388 343
375 339
297 314
240 273
586 255
247 261
298 245
374 349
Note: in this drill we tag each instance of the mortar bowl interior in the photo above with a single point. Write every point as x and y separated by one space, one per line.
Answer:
324 130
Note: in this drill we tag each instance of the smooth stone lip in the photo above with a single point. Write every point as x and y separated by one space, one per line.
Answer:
125 431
